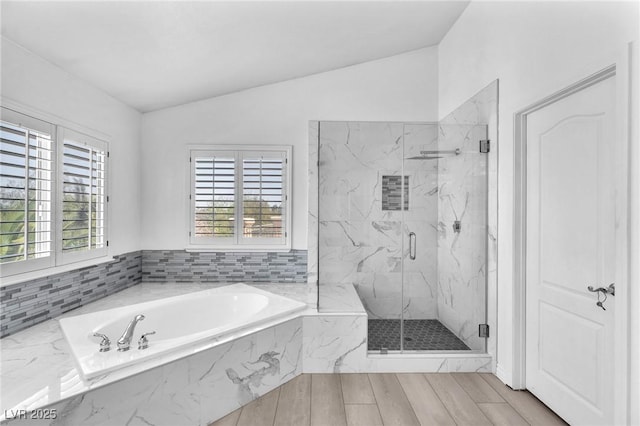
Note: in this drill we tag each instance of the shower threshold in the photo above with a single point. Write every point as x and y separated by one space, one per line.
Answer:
419 335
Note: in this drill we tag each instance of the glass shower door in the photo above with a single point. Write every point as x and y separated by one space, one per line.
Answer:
402 217
445 234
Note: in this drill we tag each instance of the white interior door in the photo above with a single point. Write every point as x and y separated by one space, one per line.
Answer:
571 245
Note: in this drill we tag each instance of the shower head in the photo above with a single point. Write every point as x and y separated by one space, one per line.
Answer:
432 155
424 157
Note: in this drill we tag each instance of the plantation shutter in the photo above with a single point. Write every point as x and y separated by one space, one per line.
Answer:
214 196
263 197
84 199
26 147
239 197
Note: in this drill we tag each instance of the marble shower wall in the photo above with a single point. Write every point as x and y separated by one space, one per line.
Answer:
359 241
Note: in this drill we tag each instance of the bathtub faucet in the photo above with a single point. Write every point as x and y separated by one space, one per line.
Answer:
125 340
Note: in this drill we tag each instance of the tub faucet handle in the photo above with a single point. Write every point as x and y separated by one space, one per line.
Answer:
105 343
143 343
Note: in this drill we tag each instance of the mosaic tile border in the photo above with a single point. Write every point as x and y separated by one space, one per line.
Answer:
231 267
28 303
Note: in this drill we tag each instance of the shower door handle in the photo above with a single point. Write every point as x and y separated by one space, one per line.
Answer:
412 245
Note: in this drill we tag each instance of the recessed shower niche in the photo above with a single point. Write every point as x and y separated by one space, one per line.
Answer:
402 216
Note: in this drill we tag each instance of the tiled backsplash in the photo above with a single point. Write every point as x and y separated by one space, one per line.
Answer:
253 267
31 302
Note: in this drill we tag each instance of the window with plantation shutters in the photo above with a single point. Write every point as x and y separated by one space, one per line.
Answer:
53 199
83 194
26 161
239 197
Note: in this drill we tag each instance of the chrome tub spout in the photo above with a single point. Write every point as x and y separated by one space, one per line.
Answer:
125 340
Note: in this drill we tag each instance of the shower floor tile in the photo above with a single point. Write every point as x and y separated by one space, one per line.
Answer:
419 335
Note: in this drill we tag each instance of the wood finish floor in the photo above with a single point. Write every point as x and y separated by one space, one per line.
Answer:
393 399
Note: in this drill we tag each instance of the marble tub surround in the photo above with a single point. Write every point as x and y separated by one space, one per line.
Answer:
361 238
25 304
37 368
195 390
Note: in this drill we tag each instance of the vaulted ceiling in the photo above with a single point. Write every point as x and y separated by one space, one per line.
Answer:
156 54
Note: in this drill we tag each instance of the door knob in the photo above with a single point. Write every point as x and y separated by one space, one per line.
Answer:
610 290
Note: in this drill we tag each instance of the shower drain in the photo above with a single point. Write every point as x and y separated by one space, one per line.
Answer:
408 339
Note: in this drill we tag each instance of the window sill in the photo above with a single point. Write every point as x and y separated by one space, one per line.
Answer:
236 249
46 272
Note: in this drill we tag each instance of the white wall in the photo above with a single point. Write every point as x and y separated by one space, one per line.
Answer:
535 49
40 86
399 88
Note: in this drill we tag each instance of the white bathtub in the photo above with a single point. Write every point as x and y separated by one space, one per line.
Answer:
180 322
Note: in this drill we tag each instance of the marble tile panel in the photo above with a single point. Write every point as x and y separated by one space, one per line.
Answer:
334 344
361 259
359 233
336 297
423 197
480 108
354 194
381 294
254 366
425 244
367 145
420 137
420 296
